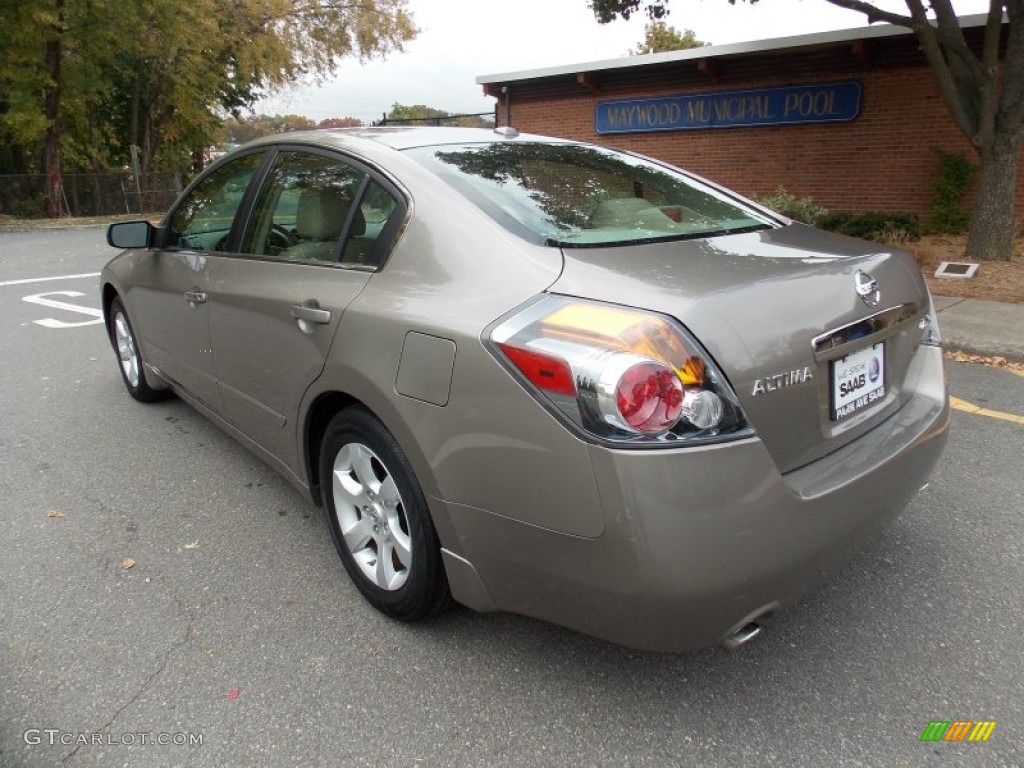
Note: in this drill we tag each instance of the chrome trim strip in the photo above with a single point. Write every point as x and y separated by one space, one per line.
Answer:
862 329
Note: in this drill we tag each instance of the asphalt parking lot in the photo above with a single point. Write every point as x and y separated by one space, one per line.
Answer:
159 583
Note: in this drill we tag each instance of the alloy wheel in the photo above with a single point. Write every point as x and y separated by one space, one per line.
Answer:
371 516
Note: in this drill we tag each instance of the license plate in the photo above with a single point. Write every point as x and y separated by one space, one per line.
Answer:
858 381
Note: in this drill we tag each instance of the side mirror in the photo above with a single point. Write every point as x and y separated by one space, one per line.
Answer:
130 234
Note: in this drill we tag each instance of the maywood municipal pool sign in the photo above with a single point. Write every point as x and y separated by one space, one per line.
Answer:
818 103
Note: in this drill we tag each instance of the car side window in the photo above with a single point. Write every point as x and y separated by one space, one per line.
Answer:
203 220
375 209
304 208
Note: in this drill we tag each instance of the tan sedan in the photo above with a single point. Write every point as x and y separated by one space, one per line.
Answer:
540 376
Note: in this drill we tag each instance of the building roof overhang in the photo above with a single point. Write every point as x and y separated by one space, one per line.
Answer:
707 59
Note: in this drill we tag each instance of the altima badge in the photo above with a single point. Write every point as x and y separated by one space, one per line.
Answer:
867 288
782 380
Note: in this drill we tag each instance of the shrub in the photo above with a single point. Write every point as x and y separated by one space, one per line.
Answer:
891 228
835 221
893 234
946 212
800 208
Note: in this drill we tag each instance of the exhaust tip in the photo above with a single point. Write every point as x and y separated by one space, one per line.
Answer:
742 636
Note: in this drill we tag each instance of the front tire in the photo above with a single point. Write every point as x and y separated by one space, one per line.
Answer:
122 337
379 518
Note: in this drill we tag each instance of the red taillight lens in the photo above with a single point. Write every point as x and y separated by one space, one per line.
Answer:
649 398
544 371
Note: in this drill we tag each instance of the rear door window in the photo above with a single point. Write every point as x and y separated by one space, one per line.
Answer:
317 208
306 205
370 232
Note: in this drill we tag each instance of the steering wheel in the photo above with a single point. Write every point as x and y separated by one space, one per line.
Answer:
279 238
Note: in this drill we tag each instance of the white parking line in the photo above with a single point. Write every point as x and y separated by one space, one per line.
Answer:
47 279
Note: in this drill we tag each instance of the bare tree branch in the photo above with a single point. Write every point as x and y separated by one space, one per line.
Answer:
964 117
874 14
1011 105
989 91
966 67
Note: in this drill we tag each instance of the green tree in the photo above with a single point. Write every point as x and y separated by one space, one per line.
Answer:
422 114
986 100
411 112
50 56
660 37
83 81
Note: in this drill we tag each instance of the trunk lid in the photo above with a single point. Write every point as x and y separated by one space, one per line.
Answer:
780 313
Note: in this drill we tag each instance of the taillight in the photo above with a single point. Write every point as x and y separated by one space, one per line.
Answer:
641 395
929 326
619 374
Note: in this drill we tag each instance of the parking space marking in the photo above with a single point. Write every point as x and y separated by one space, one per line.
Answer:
28 280
48 322
977 410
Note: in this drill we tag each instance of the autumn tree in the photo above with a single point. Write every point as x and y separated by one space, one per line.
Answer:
660 37
238 130
340 122
984 94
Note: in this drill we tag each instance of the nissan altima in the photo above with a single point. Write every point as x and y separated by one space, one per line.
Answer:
540 376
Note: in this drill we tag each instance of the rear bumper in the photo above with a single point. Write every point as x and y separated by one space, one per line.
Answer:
697 542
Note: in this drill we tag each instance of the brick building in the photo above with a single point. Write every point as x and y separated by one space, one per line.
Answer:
850 118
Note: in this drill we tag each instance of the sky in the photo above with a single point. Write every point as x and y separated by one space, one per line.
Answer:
460 40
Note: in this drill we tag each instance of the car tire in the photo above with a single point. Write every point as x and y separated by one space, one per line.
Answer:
122 337
379 519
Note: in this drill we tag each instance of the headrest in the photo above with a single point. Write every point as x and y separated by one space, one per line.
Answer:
321 213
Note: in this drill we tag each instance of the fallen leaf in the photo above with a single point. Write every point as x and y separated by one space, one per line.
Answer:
55 513
127 563
192 544
993 362
234 693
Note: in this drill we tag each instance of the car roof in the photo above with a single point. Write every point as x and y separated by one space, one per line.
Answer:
403 137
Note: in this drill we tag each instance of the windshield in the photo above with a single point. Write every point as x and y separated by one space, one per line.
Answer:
577 195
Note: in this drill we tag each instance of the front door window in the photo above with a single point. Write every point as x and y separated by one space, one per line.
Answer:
203 220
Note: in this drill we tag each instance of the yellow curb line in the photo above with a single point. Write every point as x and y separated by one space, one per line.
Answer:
977 410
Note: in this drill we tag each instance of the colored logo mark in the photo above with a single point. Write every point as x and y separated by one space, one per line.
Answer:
958 730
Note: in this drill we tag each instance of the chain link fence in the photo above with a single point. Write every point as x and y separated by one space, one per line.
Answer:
90 194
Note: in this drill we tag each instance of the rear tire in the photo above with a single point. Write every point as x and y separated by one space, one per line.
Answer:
122 337
379 519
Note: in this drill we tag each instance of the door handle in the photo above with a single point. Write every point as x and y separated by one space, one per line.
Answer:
195 297
308 313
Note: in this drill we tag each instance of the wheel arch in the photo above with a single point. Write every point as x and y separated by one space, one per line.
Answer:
321 411
325 405
108 294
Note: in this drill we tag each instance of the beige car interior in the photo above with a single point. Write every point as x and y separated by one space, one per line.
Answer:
319 219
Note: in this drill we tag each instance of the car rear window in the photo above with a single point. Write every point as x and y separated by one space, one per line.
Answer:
578 195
